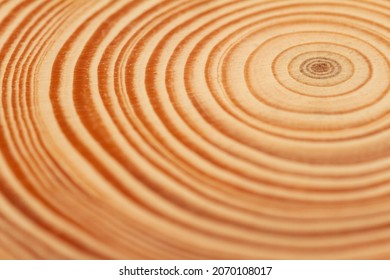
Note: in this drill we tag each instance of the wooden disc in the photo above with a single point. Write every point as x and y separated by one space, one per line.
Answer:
194 129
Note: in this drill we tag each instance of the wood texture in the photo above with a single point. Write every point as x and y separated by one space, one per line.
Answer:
194 129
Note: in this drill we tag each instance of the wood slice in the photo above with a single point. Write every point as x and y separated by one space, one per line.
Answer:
194 129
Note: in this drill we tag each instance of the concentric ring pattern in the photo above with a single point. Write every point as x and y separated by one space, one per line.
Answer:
194 129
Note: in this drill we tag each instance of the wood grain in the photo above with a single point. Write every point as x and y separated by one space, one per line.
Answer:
194 129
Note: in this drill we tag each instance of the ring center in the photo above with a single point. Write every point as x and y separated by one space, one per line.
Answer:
320 68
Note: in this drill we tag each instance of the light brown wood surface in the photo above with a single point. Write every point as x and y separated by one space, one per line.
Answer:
194 129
